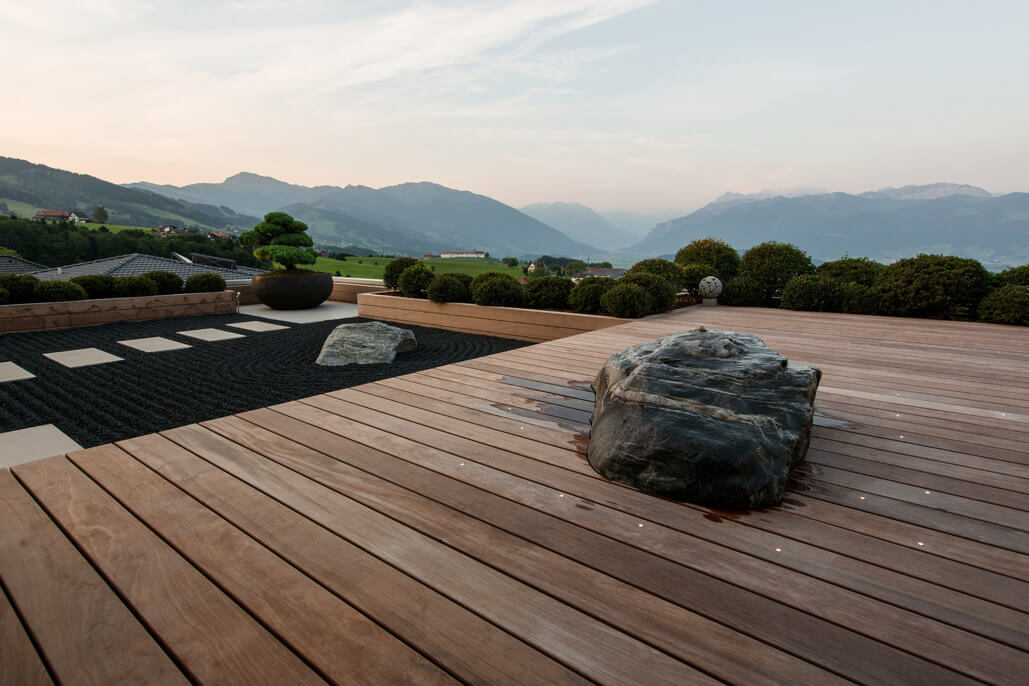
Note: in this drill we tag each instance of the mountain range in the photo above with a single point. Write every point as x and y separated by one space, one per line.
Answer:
884 225
407 218
412 218
48 188
582 224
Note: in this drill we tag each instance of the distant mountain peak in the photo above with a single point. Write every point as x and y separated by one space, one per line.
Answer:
930 191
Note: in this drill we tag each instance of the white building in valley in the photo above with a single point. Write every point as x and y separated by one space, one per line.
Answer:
475 253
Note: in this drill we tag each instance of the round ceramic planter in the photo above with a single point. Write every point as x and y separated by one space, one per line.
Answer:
281 291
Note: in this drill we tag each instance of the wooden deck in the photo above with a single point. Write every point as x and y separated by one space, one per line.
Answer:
445 527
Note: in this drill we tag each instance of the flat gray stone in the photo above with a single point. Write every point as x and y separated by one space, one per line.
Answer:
711 417
154 344
258 327
9 371
365 343
26 445
210 334
83 357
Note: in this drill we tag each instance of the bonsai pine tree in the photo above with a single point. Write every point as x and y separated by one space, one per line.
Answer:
283 239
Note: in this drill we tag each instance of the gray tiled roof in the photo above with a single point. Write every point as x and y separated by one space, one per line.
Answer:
9 264
136 264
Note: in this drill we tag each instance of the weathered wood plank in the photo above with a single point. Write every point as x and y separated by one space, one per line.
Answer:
211 637
85 632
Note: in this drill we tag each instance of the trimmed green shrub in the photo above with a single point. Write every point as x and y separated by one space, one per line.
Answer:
204 282
500 292
57 291
660 294
448 289
693 273
856 298
628 300
97 286
168 283
134 287
741 291
585 295
483 278
1016 276
466 279
771 265
283 239
667 270
722 257
856 269
932 286
548 293
3 296
391 274
20 287
414 280
813 293
1006 305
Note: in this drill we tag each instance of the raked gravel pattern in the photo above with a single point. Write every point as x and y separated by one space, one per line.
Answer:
149 392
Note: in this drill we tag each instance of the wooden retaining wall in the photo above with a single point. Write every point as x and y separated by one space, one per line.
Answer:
346 289
66 315
503 322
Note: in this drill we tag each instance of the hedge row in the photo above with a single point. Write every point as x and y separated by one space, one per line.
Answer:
935 286
18 289
639 293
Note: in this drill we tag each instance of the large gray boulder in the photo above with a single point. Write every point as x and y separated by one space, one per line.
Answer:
365 343
712 417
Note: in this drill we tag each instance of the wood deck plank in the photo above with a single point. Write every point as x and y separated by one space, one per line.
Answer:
423 618
211 636
71 612
590 647
19 661
341 643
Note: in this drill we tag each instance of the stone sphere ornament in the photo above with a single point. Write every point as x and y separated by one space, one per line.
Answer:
710 288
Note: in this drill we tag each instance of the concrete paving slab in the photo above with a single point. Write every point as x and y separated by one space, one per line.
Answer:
258 326
154 344
9 371
83 357
210 334
34 443
327 311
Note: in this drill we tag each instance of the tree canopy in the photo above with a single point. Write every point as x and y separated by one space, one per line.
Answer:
281 238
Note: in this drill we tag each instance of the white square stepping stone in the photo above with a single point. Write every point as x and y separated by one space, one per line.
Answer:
154 344
210 334
327 311
34 443
83 357
259 326
9 371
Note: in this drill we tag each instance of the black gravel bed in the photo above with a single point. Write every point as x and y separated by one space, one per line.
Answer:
149 392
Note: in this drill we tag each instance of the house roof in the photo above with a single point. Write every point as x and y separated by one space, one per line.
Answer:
10 264
136 264
52 213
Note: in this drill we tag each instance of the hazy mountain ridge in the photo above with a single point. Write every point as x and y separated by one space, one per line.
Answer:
250 193
992 229
57 189
930 191
409 217
581 223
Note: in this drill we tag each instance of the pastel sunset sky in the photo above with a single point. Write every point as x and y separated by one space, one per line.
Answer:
612 103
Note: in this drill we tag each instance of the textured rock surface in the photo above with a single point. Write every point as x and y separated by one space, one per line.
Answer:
711 417
365 343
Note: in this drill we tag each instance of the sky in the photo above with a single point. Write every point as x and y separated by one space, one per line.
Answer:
630 104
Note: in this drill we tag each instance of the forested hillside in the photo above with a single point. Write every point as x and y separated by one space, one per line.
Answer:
55 245
56 189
